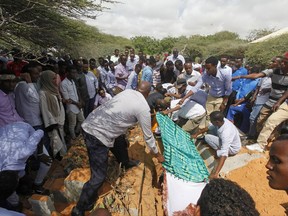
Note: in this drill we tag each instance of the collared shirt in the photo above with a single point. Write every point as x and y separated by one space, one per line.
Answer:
8 113
103 76
236 84
173 59
120 72
279 85
113 118
27 103
101 100
147 74
193 77
92 83
69 91
114 59
132 81
229 138
111 80
220 85
131 64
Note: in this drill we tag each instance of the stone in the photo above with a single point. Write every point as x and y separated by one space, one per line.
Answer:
41 205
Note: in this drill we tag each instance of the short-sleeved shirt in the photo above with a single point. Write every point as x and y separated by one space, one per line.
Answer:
279 86
69 91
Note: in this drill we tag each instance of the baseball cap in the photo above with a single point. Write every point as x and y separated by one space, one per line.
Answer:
180 82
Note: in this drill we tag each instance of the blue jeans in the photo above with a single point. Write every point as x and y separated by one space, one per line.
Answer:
253 120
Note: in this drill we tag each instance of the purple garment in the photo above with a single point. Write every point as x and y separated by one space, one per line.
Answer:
8 113
121 72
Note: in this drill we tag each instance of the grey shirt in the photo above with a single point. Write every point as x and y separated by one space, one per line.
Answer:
113 118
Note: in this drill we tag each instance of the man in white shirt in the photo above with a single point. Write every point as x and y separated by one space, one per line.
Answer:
189 74
101 98
74 109
102 127
114 58
223 137
175 56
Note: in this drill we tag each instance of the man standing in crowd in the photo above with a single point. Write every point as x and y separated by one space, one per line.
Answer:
73 105
102 127
121 72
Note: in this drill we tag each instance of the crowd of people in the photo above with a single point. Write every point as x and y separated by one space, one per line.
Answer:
47 103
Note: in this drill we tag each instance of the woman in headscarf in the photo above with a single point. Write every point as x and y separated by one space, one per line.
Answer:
53 112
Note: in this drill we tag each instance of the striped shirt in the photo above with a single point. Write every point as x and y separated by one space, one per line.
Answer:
279 85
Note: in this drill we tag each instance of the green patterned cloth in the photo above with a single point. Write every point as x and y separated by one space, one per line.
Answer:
181 156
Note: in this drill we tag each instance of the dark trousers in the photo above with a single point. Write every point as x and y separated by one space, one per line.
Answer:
98 159
89 106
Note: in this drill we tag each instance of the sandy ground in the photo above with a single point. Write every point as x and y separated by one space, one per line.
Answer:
253 179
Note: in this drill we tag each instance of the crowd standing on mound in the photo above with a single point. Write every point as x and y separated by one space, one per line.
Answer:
44 101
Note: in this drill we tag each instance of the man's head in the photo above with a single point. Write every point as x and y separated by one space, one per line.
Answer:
188 68
151 62
85 65
123 60
275 62
101 61
33 70
144 88
223 61
217 118
223 197
106 65
102 93
278 164
169 66
138 68
7 82
175 53
116 52
132 57
92 63
211 65
71 72
161 105
179 65
181 85
238 63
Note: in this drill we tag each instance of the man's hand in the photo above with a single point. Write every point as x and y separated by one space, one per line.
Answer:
181 101
160 157
165 112
276 106
222 107
214 175
45 159
194 136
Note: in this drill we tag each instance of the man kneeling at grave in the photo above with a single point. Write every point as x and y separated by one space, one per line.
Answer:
223 137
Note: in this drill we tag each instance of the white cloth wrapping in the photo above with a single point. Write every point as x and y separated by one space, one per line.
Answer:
181 193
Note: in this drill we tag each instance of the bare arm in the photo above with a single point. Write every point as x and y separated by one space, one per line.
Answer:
216 171
280 101
250 76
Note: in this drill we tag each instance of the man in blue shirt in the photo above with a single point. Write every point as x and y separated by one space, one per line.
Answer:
236 84
147 74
